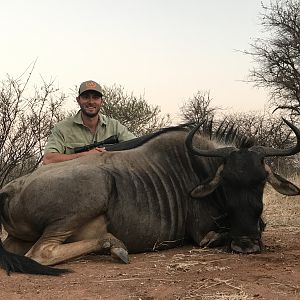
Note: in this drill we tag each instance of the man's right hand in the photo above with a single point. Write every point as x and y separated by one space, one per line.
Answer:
93 151
60 157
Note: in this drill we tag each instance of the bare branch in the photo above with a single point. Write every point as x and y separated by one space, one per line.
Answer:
277 55
25 124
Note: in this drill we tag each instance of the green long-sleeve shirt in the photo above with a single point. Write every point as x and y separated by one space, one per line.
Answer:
71 133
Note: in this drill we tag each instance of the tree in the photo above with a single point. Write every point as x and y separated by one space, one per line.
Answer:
277 55
25 123
134 112
269 130
198 108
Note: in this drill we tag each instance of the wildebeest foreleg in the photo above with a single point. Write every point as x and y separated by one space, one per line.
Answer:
50 252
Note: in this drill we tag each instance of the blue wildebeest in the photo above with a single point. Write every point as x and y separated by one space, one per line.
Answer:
138 200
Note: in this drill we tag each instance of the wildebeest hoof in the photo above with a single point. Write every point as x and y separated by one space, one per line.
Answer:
121 254
214 239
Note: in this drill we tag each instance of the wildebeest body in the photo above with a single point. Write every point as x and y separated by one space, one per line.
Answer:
143 194
144 197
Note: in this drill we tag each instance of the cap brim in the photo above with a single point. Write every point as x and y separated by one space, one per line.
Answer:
87 90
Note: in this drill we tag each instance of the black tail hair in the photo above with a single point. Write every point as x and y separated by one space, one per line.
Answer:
11 262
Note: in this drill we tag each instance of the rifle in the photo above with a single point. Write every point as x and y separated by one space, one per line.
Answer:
109 141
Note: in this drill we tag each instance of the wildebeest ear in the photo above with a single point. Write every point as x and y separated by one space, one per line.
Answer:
281 185
208 187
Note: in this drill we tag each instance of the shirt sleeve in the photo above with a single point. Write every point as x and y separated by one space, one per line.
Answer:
123 133
55 143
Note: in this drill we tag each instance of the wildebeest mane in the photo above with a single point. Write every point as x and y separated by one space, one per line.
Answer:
227 133
134 143
224 132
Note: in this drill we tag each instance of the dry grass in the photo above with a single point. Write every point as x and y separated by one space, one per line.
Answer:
280 210
223 296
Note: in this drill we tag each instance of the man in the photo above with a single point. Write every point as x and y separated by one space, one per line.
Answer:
86 127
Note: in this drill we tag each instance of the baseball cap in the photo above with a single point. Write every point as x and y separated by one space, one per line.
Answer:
90 85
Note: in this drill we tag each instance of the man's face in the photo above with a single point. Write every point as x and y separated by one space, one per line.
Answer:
90 103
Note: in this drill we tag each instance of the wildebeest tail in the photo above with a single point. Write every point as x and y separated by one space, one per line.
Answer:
21 264
16 263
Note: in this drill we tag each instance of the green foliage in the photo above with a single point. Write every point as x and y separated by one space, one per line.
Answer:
134 112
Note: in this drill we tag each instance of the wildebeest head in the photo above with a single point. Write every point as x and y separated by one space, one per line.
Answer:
242 176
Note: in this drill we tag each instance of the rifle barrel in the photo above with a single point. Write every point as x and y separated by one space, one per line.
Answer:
109 141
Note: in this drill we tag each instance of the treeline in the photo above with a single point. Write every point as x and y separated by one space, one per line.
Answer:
266 128
26 122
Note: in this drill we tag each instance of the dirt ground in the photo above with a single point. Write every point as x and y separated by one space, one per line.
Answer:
183 273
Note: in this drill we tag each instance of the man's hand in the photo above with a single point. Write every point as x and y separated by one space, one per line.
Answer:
93 151
60 157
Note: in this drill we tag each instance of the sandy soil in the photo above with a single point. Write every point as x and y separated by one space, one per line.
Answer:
182 273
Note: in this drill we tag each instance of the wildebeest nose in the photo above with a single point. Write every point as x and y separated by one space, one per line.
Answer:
245 245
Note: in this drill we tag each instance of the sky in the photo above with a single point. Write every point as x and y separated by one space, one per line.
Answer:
165 50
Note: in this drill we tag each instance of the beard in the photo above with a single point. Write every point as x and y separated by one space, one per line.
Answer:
90 112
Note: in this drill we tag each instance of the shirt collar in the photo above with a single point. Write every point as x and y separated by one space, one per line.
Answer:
78 119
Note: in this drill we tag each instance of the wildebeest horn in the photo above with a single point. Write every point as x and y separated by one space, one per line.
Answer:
268 151
219 152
